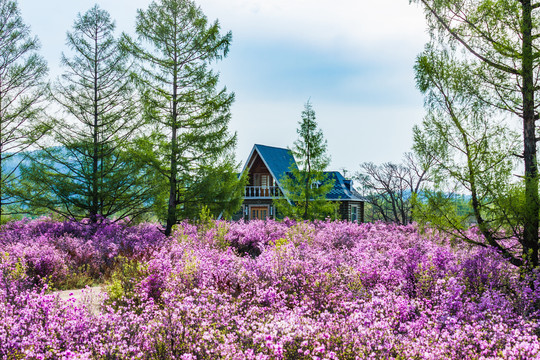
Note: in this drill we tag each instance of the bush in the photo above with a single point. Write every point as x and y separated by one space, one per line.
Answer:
333 290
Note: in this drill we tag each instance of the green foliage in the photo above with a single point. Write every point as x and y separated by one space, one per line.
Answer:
513 204
190 146
485 69
124 187
4 219
22 95
127 274
205 221
13 273
426 279
218 188
220 239
206 224
77 279
357 287
310 147
473 151
294 206
299 233
189 271
280 244
306 186
17 355
92 170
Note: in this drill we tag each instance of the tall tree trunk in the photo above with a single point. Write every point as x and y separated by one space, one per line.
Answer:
95 154
308 184
530 236
171 209
308 178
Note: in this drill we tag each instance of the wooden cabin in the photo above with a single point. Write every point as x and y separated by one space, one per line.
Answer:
267 165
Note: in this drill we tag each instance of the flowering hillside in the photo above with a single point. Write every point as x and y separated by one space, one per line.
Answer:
260 290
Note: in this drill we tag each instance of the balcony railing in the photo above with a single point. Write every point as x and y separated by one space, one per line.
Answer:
262 192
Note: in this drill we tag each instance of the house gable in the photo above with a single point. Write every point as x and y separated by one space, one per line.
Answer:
277 161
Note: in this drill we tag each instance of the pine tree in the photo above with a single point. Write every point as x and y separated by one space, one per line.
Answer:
307 185
87 169
176 44
22 95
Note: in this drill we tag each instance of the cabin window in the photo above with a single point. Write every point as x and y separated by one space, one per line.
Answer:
265 180
354 213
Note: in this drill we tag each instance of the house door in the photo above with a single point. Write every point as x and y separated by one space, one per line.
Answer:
259 212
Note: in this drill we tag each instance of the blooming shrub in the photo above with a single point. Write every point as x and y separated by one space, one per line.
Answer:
61 252
270 290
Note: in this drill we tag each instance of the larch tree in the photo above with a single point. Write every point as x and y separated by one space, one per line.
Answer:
307 185
472 152
502 46
22 95
87 169
190 147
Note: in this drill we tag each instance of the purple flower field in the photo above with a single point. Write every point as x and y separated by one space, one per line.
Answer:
260 290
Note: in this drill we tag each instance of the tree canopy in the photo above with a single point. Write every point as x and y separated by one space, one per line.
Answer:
22 98
87 170
494 47
190 142
306 186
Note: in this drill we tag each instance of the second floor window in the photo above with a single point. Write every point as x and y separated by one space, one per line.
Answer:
265 180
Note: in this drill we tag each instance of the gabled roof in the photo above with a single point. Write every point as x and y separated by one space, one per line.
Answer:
277 160
343 189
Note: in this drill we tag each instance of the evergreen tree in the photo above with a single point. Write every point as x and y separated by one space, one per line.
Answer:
22 92
190 143
87 169
306 186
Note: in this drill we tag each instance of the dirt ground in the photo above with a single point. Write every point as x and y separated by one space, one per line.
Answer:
90 296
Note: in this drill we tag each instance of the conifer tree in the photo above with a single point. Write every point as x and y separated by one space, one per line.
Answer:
190 143
22 95
306 186
87 169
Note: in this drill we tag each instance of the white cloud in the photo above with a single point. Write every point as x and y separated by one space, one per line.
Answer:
349 29
353 25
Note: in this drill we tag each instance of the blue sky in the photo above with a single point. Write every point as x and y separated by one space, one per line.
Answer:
353 58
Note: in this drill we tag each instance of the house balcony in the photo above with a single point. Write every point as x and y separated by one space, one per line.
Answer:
262 192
